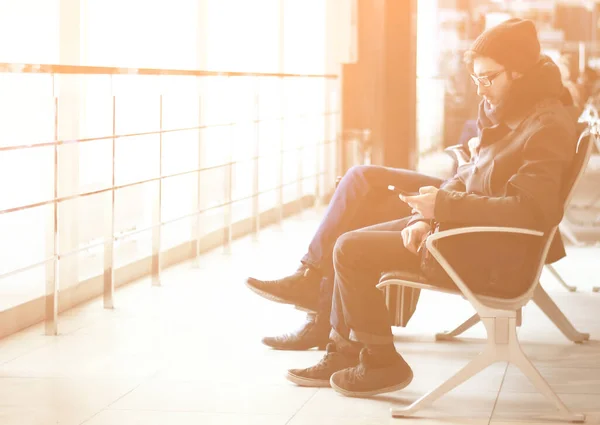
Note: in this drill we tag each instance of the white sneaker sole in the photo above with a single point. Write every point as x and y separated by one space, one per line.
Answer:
393 388
307 382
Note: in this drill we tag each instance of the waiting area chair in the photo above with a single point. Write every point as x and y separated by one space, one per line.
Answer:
499 316
460 156
583 213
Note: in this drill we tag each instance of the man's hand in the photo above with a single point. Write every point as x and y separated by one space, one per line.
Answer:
413 235
424 203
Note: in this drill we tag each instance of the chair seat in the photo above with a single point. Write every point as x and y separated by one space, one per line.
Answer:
419 281
398 274
415 280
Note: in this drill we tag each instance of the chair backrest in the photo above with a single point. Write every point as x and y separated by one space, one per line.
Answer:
574 173
586 142
589 115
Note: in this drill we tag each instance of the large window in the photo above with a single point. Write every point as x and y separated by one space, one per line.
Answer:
275 36
29 30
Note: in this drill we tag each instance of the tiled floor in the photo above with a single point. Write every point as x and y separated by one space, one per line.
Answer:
190 353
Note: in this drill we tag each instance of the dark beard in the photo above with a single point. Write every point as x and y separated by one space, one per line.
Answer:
542 82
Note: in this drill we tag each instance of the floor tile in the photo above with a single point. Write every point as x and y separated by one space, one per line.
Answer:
34 415
134 417
454 405
562 380
532 407
328 420
203 397
190 352
46 401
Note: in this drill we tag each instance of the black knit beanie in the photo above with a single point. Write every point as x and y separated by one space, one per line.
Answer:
513 44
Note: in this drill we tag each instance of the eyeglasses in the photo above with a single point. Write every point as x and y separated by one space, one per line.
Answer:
486 80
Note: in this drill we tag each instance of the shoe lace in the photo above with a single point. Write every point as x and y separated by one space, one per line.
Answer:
358 372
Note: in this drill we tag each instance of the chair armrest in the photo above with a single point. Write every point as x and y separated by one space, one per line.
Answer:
462 286
482 229
459 153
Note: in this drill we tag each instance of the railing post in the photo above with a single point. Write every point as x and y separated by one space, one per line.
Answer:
157 208
52 248
198 217
255 185
339 148
300 160
281 149
323 146
328 146
227 229
281 54
228 180
109 225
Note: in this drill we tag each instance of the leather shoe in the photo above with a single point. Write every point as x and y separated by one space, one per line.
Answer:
300 289
309 336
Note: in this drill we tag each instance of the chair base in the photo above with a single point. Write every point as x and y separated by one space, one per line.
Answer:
545 303
550 309
450 335
502 346
558 277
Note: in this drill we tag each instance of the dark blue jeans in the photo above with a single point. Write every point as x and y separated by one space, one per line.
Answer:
361 199
358 311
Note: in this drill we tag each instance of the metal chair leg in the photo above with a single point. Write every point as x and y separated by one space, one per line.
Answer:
558 277
449 335
502 346
550 309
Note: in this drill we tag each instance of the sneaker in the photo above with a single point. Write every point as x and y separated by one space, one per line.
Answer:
372 376
320 374
309 336
300 289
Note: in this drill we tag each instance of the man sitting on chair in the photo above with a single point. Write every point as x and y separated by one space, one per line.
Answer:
527 141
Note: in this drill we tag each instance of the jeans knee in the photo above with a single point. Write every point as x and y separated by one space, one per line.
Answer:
345 248
356 172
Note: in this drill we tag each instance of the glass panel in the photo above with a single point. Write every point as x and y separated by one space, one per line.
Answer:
117 33
139 33
29 30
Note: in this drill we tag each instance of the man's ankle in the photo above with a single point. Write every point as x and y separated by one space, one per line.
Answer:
384 354
346 346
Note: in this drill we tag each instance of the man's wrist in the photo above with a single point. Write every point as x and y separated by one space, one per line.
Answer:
425 224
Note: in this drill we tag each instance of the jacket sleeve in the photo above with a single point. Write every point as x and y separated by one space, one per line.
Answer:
534 193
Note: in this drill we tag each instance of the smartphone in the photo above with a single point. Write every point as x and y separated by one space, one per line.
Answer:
401 192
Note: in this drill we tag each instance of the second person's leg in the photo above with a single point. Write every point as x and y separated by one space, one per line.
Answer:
359 313
362 199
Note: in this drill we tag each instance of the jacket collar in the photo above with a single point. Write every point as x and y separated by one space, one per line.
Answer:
514 122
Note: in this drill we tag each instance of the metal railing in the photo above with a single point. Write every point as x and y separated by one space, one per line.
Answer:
54 256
